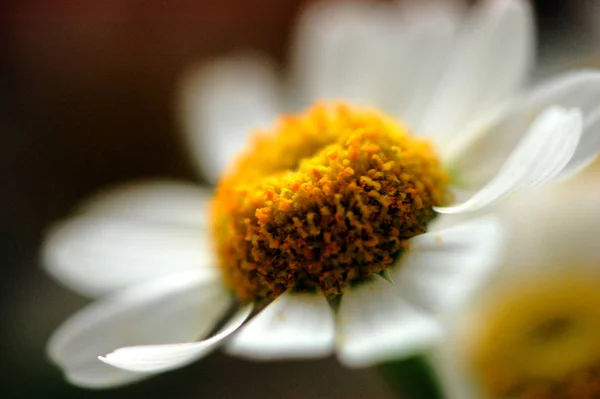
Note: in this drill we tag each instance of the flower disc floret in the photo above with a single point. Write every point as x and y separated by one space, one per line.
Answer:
325 199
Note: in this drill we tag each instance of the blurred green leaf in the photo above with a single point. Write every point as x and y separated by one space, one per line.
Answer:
411 378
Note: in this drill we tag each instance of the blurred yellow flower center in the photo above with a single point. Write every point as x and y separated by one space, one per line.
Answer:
326 198
542 342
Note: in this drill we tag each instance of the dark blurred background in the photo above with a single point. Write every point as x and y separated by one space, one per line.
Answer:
87 93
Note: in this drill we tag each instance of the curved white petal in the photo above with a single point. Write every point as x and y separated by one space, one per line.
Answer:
541 155
492 58
160 201
295 325
160 358
94 255
377 324
222 103
177 308
442 269
483 147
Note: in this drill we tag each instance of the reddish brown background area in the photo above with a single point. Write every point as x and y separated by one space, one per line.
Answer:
97 79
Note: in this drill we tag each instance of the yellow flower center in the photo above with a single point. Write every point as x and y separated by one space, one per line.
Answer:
542 341
326 198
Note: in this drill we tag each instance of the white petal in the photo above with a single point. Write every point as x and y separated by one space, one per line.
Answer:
94 255
442 269
542 154
483 147
160 358
492 59
98 375
371 54
161 201
177 308
327 41
377 324
564 235
295 325
222 103
421 42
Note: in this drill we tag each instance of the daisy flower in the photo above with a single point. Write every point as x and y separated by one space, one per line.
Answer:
533 332
316 240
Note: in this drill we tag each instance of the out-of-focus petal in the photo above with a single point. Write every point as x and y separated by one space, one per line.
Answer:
371 54
129 234
178 308
421 42
222 103
443 268
490 62
161 201
295 325
554 229
95 255
325 62
377 324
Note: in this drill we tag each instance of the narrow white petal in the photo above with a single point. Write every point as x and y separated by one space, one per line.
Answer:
542 154
442 269
161 201
160 358
492 59
295 325
377 324
177 308
222 103
483 147
93 254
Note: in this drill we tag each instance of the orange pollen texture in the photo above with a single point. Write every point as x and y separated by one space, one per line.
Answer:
326 198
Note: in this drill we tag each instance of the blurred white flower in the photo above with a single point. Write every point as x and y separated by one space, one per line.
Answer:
146 249
533 331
